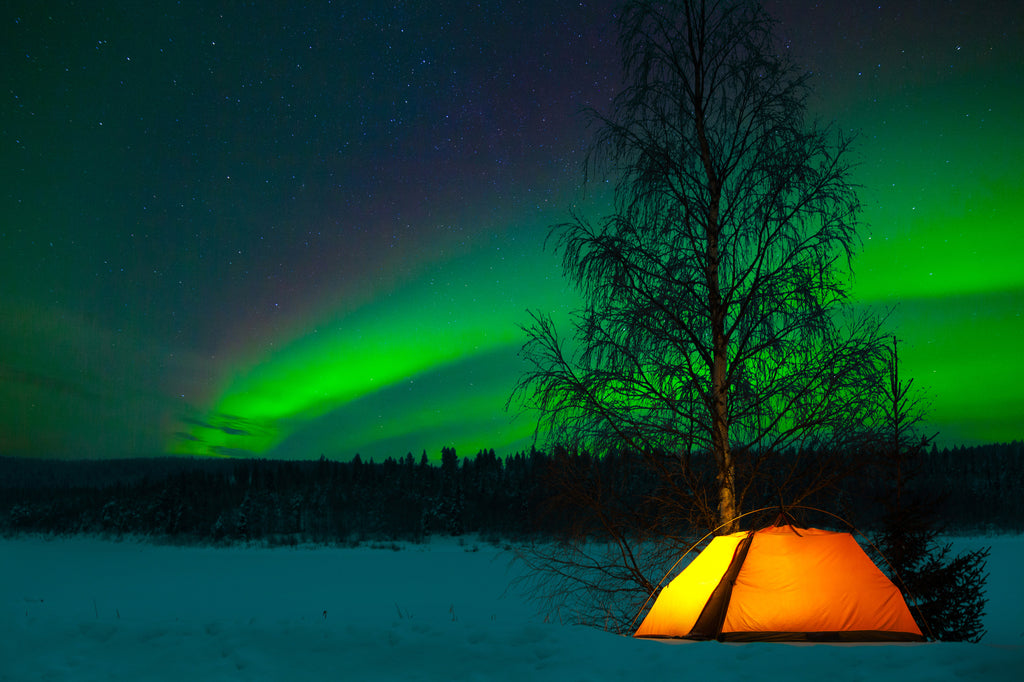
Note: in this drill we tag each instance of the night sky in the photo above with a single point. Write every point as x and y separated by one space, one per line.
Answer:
289 230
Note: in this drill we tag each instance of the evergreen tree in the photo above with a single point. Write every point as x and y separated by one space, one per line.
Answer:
946 593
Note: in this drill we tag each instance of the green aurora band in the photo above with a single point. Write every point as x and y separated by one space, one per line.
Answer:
153 223
421 370
431 364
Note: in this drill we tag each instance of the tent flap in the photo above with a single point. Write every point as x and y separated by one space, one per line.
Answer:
680 603
709 623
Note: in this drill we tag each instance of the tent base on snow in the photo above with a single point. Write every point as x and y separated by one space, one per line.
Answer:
781 583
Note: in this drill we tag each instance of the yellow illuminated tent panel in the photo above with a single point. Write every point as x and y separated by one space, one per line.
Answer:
782 583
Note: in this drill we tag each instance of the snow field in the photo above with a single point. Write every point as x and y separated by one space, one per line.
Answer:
88 609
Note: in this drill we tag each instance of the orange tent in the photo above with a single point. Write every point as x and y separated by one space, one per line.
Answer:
781 583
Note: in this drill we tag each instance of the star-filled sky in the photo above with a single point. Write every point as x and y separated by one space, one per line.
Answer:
289 230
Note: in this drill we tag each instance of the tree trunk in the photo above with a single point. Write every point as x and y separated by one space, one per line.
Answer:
726 476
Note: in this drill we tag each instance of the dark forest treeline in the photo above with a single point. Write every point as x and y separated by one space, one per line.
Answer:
223 500
284 502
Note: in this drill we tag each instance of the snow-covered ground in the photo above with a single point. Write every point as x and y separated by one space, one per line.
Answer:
88 609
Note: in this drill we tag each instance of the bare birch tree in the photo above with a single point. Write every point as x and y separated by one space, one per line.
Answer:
714 323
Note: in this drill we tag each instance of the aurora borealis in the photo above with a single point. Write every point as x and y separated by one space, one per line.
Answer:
287 231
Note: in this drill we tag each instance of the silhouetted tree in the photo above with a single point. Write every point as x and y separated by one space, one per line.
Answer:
714 322
946 592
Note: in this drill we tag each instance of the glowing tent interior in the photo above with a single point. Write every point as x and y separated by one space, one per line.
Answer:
781 583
